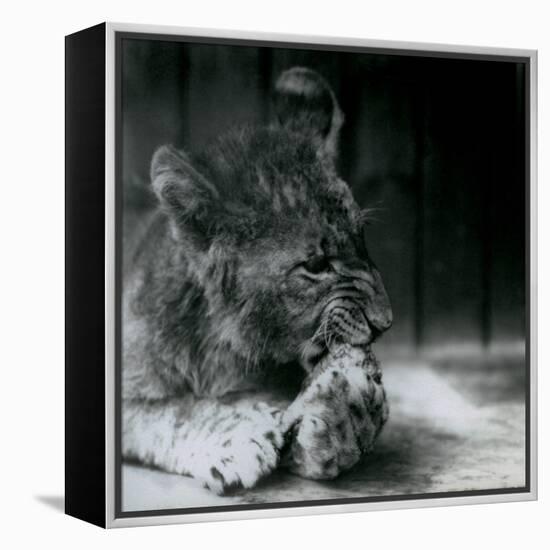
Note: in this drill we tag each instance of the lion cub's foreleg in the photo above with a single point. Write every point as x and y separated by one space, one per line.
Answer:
224 444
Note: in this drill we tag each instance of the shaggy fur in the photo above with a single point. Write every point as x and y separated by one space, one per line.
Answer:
254 265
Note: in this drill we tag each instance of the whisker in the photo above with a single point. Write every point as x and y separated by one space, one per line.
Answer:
331 342
326 336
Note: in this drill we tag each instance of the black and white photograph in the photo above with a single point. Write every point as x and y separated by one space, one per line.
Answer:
323 264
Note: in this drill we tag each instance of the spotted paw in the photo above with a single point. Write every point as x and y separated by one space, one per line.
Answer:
336 418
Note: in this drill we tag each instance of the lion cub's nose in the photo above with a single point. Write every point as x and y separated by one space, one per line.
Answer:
379 310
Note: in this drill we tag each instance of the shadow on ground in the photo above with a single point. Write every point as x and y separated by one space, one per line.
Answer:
55 502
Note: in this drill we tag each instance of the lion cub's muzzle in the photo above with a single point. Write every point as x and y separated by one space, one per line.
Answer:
358 312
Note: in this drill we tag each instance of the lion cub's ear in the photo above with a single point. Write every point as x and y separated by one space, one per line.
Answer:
305 102
186 195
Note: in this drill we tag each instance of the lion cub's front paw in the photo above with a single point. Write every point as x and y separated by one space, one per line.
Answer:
337 416
244 447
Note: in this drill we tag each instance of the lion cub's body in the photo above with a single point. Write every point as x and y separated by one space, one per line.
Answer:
252 268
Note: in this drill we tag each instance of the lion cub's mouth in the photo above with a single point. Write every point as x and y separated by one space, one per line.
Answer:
341 325
312 353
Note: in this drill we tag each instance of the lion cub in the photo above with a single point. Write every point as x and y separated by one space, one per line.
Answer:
253 268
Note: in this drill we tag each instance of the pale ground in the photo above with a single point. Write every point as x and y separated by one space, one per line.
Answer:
455 425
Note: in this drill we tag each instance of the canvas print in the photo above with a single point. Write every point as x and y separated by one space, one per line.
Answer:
323 275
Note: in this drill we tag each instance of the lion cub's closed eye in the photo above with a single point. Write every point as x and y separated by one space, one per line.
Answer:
317 265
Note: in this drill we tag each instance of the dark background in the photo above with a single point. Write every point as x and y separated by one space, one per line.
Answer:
437 146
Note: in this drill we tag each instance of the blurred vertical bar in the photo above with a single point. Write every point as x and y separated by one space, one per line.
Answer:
153 92
151 103
453 220
486 178
419 125
507 157
225 87
379 154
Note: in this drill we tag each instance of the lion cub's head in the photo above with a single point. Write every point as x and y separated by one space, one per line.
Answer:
272 235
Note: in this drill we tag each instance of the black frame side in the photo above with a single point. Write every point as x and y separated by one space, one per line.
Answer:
85 275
